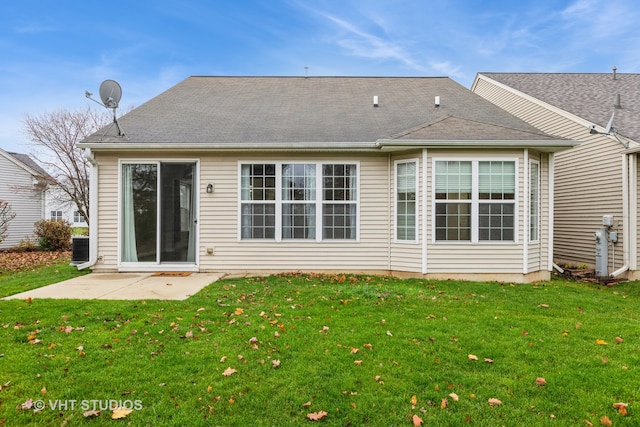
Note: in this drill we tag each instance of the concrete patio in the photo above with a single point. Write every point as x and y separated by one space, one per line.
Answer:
125 286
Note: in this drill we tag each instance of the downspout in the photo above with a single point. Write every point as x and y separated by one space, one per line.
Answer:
626 227
93 211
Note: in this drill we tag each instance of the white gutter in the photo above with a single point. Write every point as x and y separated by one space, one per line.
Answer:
626 232
93 212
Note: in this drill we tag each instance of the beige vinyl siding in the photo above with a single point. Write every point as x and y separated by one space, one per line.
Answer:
482 257
25 201
218 219
587 178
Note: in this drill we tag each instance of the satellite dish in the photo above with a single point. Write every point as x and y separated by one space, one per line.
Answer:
607 130
110 93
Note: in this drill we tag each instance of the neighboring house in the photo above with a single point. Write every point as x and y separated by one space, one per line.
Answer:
22 183
414 176
57 208
597 178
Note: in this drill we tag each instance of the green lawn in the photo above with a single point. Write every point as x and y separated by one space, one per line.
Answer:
364 350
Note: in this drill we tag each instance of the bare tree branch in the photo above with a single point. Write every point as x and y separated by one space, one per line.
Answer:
55 137
6 215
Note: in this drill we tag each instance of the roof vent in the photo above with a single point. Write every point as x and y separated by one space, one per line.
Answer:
375 100
617 103
437 101
614 72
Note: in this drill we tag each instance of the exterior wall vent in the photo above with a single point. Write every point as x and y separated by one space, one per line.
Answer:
617 103
437 101
375 100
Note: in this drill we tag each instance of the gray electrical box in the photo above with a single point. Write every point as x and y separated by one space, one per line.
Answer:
602 246
607 220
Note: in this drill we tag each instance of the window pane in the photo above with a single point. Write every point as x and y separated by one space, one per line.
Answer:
496 221
496 180
258 221
139 212
339 182
534 201
298 221
339 221
406 201
258 182
298 182
453 221
453 180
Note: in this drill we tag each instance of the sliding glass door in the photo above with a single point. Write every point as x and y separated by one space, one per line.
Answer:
158 212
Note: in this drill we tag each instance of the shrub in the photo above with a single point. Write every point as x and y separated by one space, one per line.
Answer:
27 245
53 235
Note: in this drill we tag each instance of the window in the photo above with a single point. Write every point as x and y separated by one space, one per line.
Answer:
475 200
77 217
56 215
303 201
406 208
534 201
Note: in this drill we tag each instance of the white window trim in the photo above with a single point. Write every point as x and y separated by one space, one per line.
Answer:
155 265
539 222
417 201
475 201
278 201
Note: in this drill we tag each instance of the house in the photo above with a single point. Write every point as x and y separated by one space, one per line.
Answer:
58 207
23 184
596 183
415 176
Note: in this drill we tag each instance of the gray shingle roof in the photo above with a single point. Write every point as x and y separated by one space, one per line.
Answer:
29 163
236 110
590 96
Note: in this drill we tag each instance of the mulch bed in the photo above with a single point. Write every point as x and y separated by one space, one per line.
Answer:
14 260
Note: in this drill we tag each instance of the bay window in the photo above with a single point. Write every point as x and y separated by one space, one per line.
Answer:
406 207
475 200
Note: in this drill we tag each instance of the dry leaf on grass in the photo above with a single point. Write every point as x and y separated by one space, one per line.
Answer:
417 421
601 342
493 401
120 413
317 416
621 407
541 381
229 371
92 413
605 421
472 357
454 396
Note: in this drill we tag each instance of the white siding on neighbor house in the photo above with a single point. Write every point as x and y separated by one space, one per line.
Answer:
26 201
588 178
54 202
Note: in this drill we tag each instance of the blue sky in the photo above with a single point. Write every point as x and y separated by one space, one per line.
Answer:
52 51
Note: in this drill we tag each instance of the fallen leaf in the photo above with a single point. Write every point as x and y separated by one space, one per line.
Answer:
120 413
28 404
92 413
358 362
43 390
619 340
472 357
306 404
444 403
601 342
317 416
368 346
454 396
589 423
389 333
488 360
238 311
493 401
354 350
544 306
229 371
541 381
417 421
275 363
621 407
253 340
605 421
